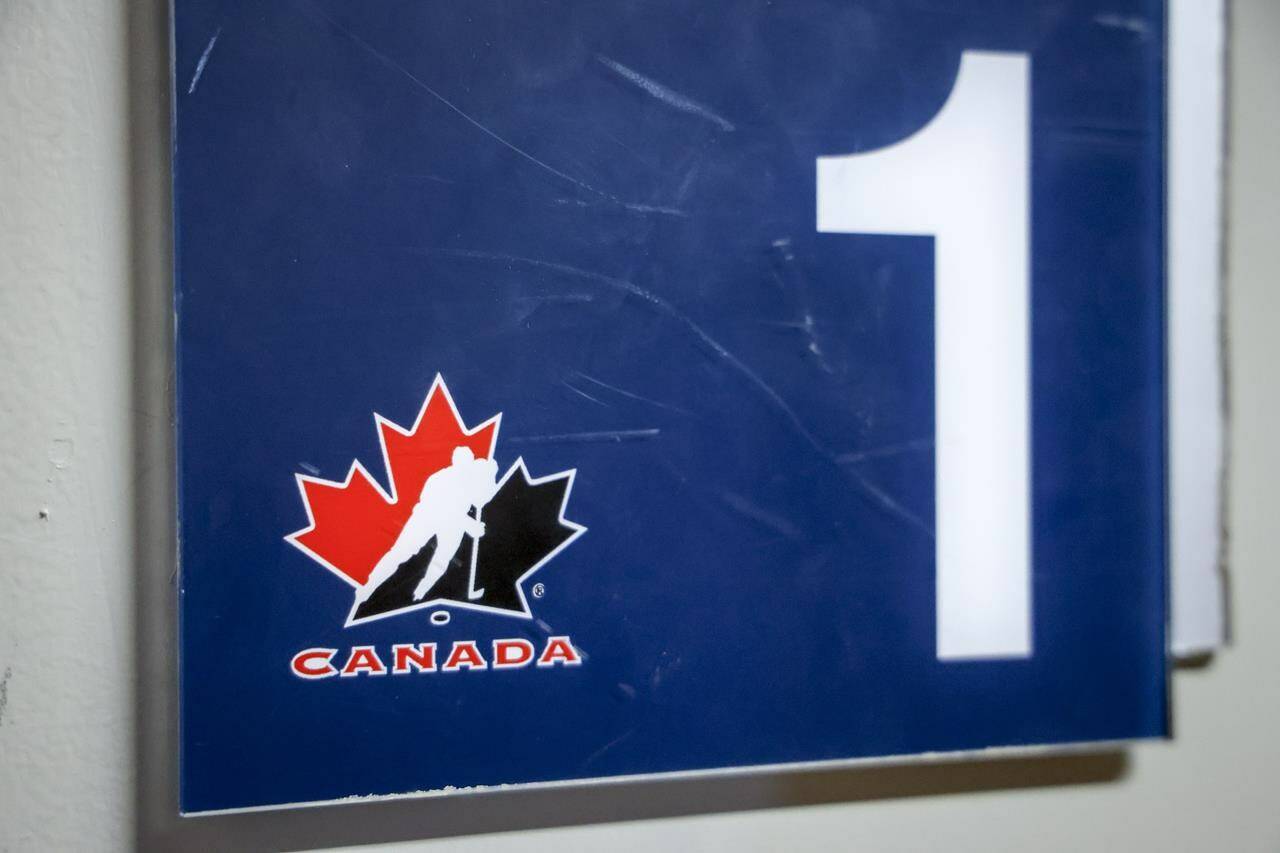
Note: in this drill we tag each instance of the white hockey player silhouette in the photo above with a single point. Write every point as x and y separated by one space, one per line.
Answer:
443 511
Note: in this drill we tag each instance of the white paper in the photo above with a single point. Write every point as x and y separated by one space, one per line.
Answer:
1196 411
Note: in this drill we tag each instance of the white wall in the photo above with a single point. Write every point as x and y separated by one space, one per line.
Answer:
86 658
66 625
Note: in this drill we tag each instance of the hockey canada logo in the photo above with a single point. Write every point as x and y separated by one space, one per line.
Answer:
448 531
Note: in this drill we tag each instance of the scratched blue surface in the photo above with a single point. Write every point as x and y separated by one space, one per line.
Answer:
369 194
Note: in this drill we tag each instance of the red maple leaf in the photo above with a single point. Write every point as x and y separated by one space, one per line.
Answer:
353 523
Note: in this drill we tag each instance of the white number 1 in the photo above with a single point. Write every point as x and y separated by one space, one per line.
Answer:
964 180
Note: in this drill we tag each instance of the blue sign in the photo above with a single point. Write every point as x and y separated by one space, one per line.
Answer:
579 390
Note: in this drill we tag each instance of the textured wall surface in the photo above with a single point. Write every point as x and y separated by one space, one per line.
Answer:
86 658
66 577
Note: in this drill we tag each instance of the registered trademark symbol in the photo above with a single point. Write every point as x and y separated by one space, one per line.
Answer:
539 590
